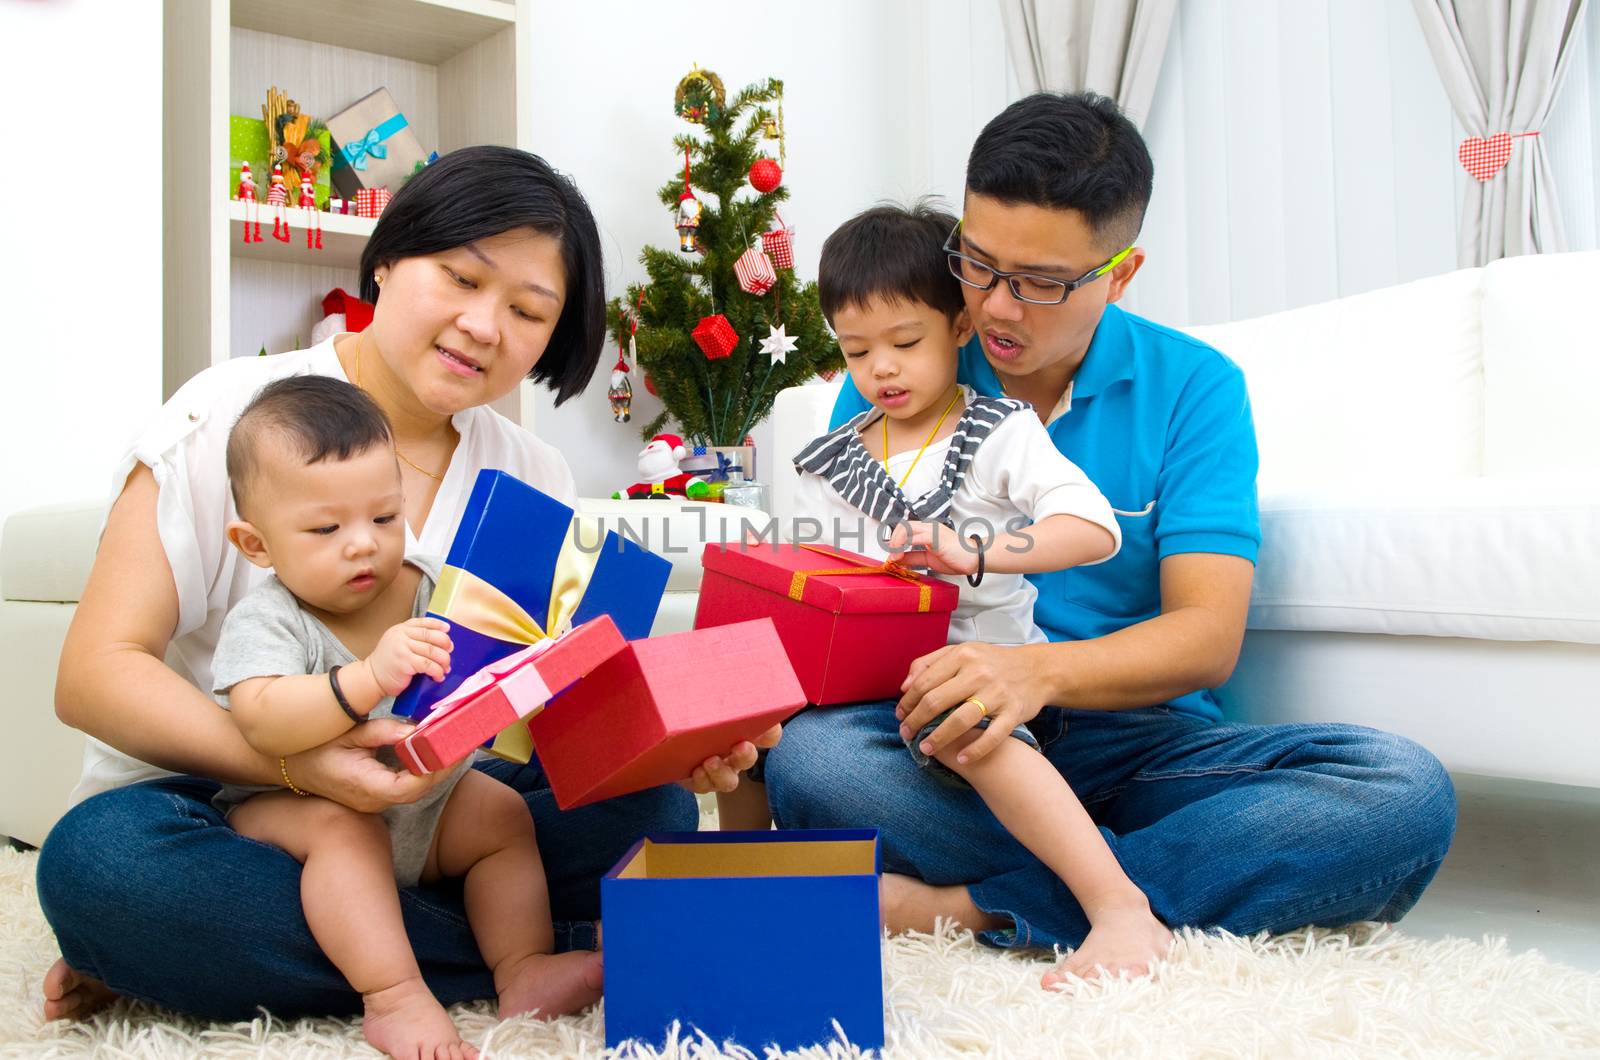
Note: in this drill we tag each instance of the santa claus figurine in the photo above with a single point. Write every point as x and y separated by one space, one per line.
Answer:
658 467
247 195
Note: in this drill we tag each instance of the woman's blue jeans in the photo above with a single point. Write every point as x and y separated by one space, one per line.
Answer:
1243 827
151 892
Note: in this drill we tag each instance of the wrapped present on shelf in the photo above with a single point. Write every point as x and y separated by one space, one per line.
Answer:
505 693
370 202
373 145
658 708
524 568
852 627
811 897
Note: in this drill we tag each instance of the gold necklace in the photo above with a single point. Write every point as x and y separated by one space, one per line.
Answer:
953 399
397 452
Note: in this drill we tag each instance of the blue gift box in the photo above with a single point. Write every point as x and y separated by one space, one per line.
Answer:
802 907
515 550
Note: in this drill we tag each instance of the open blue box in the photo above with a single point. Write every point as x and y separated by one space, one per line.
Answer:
761 938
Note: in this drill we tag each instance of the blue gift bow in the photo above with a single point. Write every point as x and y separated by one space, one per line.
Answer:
354 154
723 465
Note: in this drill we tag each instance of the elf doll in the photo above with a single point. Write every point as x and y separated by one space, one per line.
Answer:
247 195
661 478
308 202
278 199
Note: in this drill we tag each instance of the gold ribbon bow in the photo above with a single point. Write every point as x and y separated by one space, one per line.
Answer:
797 584
464 599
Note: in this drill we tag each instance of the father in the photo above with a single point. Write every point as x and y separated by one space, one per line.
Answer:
1246 828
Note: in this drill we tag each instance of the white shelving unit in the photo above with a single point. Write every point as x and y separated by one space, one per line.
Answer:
457 70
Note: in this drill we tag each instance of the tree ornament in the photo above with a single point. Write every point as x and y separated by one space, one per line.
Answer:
688 214
700 97
754 271
650 385
765 175
779 245
620 393
715 337
769 127
778 344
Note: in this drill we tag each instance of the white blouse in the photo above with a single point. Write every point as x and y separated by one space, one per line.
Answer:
185 445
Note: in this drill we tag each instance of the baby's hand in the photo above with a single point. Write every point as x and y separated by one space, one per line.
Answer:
416 646
932 545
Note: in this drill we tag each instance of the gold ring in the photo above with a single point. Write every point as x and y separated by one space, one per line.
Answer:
983 711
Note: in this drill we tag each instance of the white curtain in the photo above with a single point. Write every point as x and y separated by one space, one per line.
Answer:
1113 47
1502 63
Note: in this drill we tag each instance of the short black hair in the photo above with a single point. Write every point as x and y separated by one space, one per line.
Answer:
478 192
1074 152
890 252
316 416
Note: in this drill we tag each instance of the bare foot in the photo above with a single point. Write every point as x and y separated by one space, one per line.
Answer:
1126 940
407 1022
909 904
71 993
550 985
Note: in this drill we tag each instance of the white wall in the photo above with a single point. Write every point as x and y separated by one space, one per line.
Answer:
857 105
82 268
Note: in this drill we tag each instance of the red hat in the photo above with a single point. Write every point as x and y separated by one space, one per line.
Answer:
674 443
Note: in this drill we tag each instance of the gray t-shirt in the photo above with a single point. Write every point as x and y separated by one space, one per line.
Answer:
268 634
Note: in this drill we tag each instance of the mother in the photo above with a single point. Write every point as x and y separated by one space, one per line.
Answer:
488 266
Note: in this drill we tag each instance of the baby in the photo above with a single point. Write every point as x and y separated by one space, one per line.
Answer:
936 475
323 644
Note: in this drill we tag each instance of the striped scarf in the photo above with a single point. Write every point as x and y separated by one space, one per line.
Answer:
863 481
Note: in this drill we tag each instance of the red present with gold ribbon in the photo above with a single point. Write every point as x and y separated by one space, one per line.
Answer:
851 626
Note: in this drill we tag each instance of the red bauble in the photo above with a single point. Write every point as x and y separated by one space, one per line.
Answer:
765 175
650 385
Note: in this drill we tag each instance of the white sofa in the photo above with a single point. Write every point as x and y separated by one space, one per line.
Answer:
1430 514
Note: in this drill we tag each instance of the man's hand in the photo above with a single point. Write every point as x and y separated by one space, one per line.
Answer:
1008 682
932 545
415 646
720 773
347 770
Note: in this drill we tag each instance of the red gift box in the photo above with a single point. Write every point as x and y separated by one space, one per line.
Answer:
505 693
715 336
755 272
371 201
779 245
852 627
661 706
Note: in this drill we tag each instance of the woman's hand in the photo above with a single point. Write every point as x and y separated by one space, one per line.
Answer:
720 773
346 769
1008 682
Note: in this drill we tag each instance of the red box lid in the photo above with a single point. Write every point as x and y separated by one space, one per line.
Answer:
788 570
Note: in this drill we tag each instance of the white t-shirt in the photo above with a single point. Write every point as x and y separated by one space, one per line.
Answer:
185 446
1017 477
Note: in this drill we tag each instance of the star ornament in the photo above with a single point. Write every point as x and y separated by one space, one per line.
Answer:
778 344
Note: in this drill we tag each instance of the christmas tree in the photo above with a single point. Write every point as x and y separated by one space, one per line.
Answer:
717 343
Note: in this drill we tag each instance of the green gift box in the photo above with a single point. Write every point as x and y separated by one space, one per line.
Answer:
248 142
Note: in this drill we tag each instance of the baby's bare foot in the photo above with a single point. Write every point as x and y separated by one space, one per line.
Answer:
407 1022
69 993
1124 941
550 985
909 904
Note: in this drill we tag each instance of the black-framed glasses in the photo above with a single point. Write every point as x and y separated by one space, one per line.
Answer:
1025 286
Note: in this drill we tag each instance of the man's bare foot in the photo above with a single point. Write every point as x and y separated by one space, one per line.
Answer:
909 904
68 993
1127 940
550 985
407 1022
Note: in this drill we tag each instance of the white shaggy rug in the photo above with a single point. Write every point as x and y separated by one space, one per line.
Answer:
1362 992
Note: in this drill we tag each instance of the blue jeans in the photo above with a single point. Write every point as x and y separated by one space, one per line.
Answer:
1243 827
149 891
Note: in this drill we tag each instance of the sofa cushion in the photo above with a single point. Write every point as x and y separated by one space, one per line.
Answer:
1541 369
1386 384
46 552
1489 558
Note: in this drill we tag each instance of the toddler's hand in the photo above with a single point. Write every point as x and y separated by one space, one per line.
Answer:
415 646
932 545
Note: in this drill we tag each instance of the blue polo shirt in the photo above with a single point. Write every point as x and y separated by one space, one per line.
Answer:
1161 423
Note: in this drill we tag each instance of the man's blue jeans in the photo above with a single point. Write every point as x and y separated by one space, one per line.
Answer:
1247 828
151 892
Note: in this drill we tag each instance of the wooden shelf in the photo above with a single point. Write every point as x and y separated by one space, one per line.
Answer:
425 31
344 237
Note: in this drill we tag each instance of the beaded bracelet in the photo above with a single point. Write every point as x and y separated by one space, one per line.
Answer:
283 767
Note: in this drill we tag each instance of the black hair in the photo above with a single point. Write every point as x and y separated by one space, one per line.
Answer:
890 252
1073 152
477 192
315 416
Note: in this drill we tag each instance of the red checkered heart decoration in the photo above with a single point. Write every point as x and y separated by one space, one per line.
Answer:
1484 158
755 272
715 336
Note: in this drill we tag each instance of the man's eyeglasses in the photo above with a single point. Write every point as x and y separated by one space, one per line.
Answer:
1025 286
